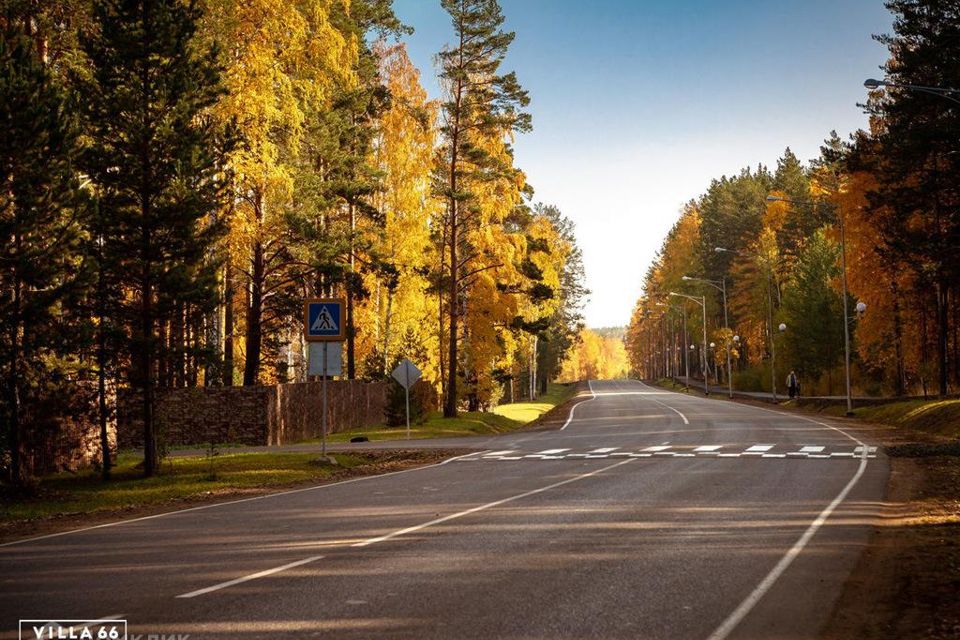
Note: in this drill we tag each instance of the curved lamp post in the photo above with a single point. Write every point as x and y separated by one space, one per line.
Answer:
686 360
943 92
721 286
702 301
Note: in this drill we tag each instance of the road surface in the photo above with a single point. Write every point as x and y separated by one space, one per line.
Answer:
650 515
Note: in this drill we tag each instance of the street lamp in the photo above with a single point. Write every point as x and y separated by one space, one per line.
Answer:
773 346
943 92
686 360
702 301
721 286
843 280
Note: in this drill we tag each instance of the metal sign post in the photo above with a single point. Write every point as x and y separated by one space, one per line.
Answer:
323 322
323 408
407 375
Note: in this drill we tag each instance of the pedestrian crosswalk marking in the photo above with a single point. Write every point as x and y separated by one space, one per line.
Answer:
713 451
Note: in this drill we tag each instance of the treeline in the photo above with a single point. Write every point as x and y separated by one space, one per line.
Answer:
179 176
599 354
886 203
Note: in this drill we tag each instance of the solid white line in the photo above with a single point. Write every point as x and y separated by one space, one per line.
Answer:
229 502
489 505
593 396
761 589
676 411
252 576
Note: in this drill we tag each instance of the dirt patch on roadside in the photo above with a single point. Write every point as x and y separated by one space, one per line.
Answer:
907 581
376 463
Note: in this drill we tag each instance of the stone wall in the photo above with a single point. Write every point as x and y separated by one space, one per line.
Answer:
278 414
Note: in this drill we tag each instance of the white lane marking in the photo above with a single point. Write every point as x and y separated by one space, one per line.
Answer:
239 501
252 576
605 450
760 448
761 589
593 396
664 404
489 505
551 452
659 447
499 453
811 449
708 448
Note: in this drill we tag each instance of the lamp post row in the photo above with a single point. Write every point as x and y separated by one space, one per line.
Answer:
944 92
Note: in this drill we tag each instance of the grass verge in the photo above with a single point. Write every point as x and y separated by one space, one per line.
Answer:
937 417
505 418
68 500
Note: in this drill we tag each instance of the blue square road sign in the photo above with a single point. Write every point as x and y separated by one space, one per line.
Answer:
324 320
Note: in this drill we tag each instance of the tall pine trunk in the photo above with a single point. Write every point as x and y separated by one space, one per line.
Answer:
450 404
150 458
943 319
102 359
228 326
17 476
254 337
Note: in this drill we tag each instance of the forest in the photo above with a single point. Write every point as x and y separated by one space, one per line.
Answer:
180 176
770 253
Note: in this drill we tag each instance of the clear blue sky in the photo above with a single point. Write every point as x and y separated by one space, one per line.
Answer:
638 104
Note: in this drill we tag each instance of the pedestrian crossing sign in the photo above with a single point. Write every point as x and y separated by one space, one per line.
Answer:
324 320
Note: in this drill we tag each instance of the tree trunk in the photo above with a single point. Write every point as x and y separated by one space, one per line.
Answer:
450 405
386 333
102 365
898 341
942 332
150 457
254 337
351 329
228 326
17 476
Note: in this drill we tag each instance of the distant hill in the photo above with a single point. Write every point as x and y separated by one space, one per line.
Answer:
611 332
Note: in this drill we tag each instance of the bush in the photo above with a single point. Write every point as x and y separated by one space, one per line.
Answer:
423 400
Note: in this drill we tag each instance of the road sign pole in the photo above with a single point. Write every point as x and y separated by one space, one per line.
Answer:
323 409
407 391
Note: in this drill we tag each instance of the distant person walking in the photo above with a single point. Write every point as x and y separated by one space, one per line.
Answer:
793 385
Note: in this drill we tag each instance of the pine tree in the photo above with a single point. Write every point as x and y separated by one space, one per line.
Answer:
811 307
40 210
916 206
152 160
479 103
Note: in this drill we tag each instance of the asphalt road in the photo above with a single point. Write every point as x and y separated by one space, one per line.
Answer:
650 515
